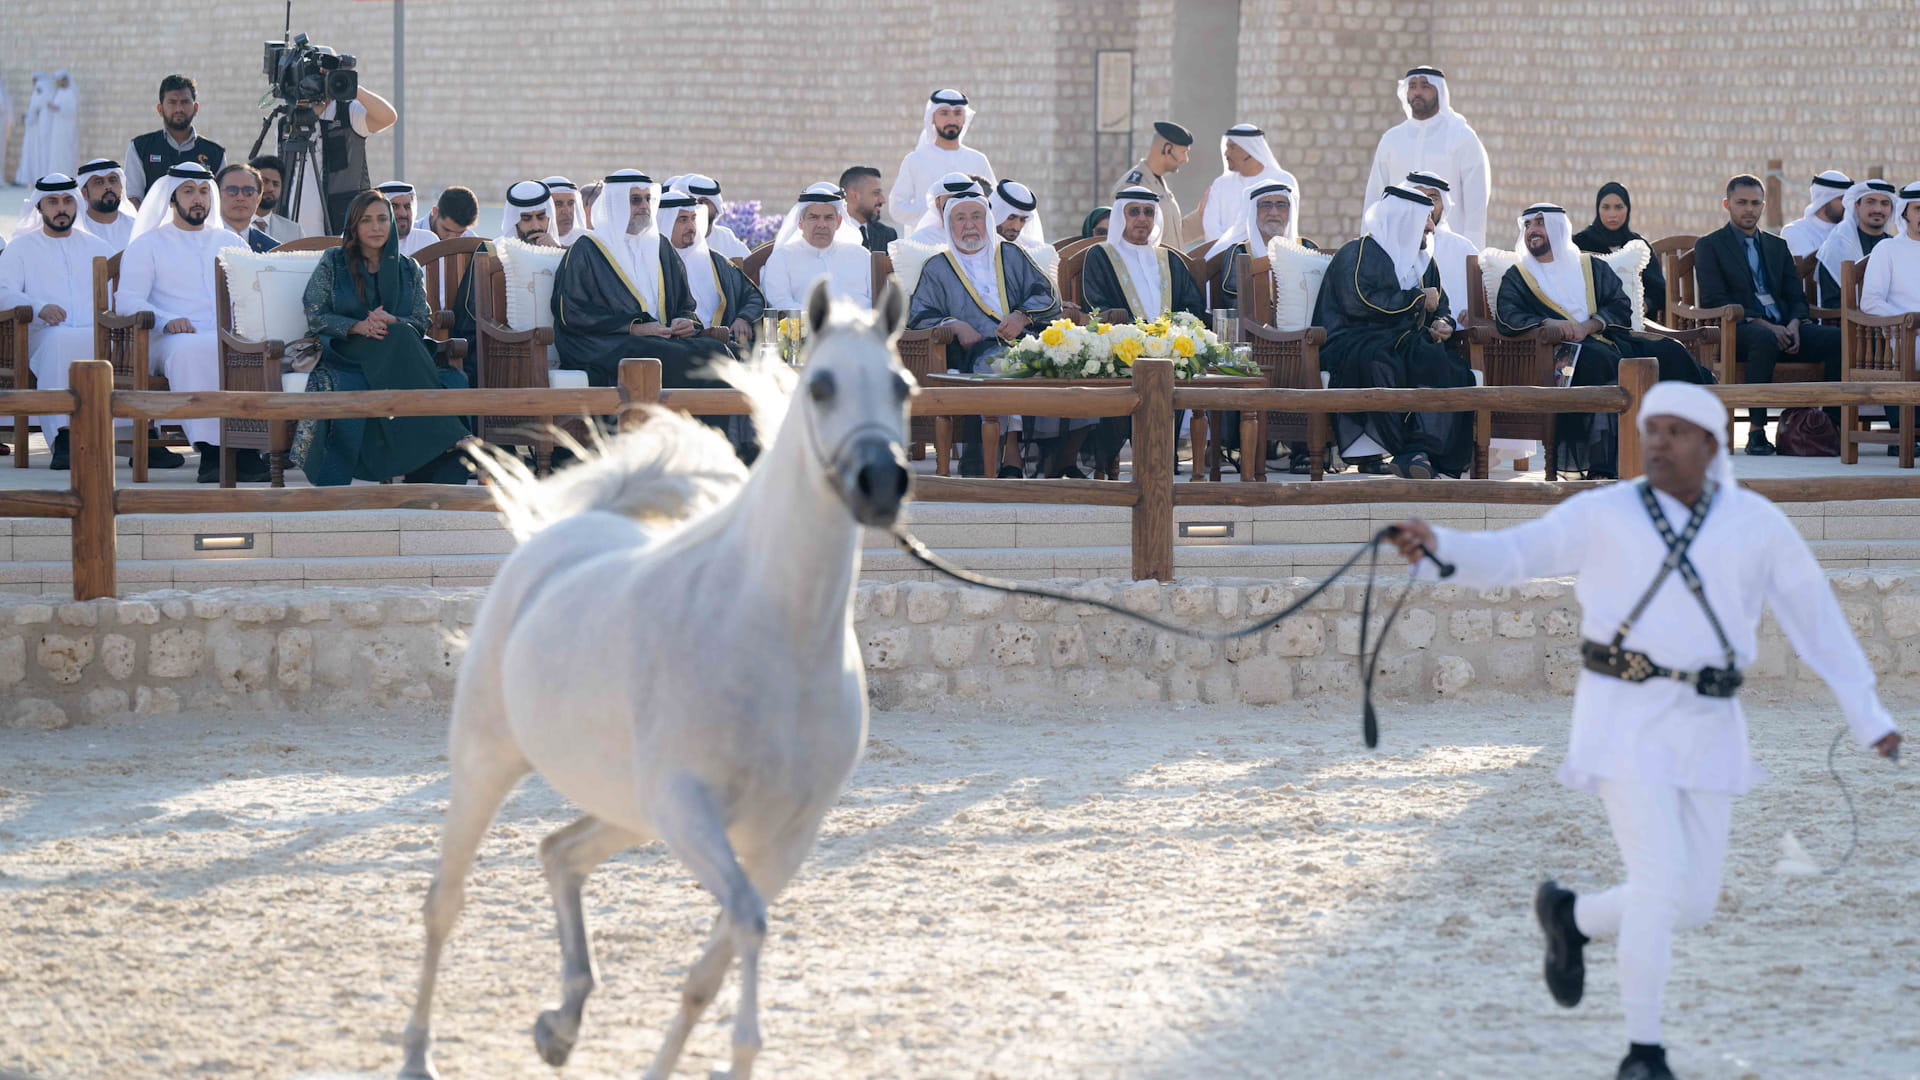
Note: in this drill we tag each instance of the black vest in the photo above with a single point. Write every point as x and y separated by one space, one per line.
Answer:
157 155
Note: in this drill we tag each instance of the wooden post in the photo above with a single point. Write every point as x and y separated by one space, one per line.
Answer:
1637 376
639 386
1775 170
92 455
1153 470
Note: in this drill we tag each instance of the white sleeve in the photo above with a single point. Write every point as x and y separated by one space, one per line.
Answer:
13 280
773 283
1553 545
1876 290
357 116
1802 600
1376 176
1475 183
136 171
136 287
906 199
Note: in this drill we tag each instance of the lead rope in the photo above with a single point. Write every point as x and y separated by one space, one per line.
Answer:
1369 725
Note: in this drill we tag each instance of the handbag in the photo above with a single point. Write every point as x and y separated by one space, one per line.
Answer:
1807 433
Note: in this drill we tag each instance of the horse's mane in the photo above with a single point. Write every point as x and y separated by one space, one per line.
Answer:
669 471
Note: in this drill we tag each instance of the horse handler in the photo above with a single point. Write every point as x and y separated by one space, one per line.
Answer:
1672 573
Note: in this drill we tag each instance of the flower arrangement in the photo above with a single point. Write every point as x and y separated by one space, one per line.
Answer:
792 333
745 220
1067 350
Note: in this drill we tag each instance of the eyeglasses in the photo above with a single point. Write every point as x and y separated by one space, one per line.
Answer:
240 190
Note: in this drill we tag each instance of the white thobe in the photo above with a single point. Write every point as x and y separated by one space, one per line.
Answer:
723 240
1892 282
1143 266
921 169
1749 557
37 270
1446 144
792 268
703 281
1450 253
60 145
1805 235
416 238
34 135
170 272
115 233
1227 199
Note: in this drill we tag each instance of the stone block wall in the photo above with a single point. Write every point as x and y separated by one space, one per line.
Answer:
926 645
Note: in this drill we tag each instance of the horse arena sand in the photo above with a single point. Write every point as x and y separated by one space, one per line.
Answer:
1162 892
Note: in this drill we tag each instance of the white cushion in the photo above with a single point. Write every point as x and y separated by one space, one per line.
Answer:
567 379
1297 271
528 271
909 259
1048 260
1628 263
268 292
293 382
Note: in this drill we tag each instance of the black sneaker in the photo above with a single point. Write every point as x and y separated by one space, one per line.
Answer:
209 463
1566 969
1008 472
159 457
60 454
250 467
1758 444
1414 466
1645 1066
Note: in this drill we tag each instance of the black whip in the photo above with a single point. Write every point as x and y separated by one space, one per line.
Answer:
1369 722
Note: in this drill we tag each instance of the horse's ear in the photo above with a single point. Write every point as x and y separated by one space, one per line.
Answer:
819 306
891 308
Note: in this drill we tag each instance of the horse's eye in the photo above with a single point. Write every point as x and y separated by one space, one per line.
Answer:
821 387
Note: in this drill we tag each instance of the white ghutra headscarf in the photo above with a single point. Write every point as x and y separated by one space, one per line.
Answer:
1842 245
1011 197
934 101
157 210
702 280
1564 278
1398 223
952 183
1247 229
822 192
31 220
639 254
525 197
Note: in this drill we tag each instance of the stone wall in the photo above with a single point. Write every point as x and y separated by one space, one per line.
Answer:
768 96
926 645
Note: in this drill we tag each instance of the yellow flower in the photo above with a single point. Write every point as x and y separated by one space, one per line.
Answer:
1127 350
1102 328
1183 346
1053 335
1062 325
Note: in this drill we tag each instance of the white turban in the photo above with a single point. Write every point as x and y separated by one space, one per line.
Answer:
935 101
1398 223
156 211
1562 278
1699 406
1011 197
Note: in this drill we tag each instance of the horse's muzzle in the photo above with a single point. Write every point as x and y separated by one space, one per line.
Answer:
875 480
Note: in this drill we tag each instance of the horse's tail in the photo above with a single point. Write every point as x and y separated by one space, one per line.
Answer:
671 469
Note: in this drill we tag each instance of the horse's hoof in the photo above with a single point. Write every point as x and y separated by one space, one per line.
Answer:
553 1048
423 1073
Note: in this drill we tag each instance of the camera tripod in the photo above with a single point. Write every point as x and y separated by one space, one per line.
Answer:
298 124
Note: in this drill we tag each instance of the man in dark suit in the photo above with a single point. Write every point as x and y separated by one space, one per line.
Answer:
1739 264
865 197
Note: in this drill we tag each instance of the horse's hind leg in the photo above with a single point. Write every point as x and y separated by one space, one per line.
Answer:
567 857
485 767
691 825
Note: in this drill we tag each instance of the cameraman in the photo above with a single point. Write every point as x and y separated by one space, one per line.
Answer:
338 152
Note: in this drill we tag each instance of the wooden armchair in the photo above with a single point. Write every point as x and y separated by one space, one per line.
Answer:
1683 313
1214 272
15 374
756 259
924 353
250 365
511 358
309 243
1073 258
445 265
1664 250
123 340
1874 348
1290 359
1807 267
1521 360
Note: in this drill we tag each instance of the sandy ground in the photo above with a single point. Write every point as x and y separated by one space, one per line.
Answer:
1200 892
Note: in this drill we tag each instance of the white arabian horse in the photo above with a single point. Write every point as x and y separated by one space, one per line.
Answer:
672 648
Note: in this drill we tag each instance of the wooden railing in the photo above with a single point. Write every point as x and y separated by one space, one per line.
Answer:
92 502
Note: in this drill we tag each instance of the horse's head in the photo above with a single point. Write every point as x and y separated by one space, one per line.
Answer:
854 397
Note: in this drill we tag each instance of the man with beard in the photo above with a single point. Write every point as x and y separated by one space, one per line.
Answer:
931 229
149 156
569 216
1266 216
527 215
103 185
49 268
722 295
1387 326
452 216
865 199
622 291
239 200
267 216
1823 212
401 197
1247 162
1865 210
1129 276
1739 264
1450 250
1165 155
947 119
1436 139
706 191
169 269
1557 285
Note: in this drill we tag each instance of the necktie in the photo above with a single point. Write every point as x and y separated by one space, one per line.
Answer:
1760 279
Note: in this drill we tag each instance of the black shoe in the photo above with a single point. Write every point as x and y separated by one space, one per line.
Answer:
1645 1063
1566 969
209 463
1414 466
1008 472
1758 445
60 455
1371 466
250 467
1068 473
1300 466
159 457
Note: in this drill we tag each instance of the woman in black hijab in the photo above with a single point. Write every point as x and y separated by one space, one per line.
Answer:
1612 228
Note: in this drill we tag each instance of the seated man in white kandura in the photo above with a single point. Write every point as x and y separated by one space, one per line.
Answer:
1673 573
